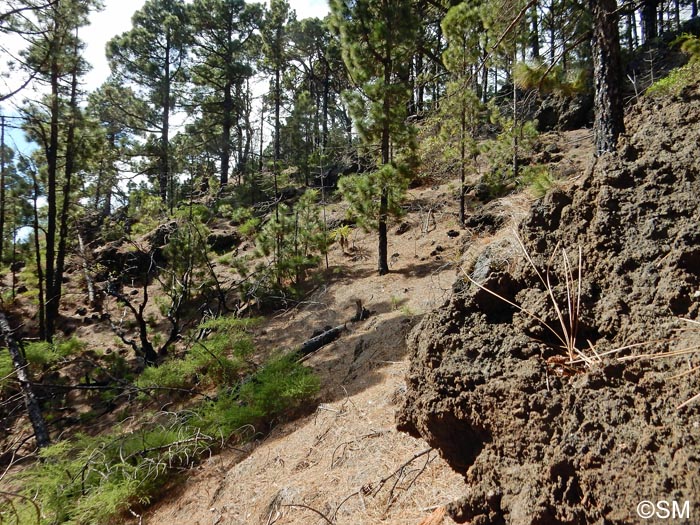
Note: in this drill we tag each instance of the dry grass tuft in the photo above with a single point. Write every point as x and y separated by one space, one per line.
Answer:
567 314
684 351
436 518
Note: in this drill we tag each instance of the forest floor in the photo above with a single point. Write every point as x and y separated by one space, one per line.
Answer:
346 463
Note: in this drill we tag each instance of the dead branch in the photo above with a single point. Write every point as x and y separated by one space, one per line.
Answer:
301 505
321 340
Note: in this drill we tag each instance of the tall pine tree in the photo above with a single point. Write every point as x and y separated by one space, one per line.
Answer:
378 39
150 57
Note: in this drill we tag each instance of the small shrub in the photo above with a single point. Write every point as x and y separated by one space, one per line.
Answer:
538 179
6 369
675 81
175 373
197 212
90 480
219 359
43 354
341 235
249 227
281 385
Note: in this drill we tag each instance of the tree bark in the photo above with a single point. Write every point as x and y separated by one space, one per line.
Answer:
55 288
52 169
2 185
164 171
609 119
226 133
649 27
19 362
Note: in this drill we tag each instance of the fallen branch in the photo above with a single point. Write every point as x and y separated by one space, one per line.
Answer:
301 505
321 340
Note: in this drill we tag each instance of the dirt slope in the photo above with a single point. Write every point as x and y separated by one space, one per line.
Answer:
335 460
539 443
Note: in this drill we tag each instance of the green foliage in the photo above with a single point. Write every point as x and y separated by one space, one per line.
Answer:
197 212
6 369
501 178
679 78
363 191
282 385
147 210
293 239
538 178
174 373
219 359
242 214
341 235
690 45
42 353
89 480
249 227
557 80
675 81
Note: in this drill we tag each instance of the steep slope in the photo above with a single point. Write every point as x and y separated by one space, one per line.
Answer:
346 460
540 442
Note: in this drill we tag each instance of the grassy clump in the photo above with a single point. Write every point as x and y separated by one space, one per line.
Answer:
39 355
679 78
675 81
281 386
6 369
90 480
221 358
538 179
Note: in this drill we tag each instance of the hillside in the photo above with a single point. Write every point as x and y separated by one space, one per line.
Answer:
522 437
415 262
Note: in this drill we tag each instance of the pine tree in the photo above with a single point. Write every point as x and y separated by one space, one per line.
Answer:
150 57
609 116
55 56
378 41
461 57
225 33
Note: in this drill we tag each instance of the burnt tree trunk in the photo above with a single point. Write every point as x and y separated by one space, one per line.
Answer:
320 340
609 122
19 362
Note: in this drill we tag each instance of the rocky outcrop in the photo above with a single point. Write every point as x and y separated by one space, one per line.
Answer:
540 441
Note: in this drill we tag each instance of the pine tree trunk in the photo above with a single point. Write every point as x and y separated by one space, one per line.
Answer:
535 37
649 28
37 255
52 169
36 418
382 252
463 162
226 134
55 288
164 171
609 121
2 186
